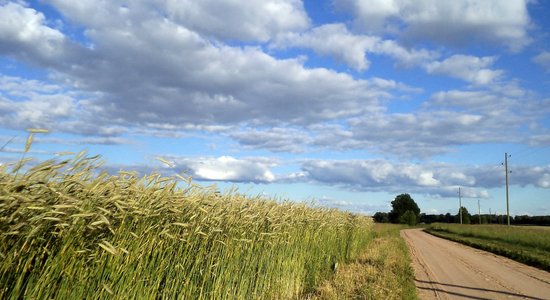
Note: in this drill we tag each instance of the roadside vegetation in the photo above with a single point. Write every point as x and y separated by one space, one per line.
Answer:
526 244
404 211
69 230
382 271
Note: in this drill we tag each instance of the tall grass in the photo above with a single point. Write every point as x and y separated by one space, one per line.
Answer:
71 231
381 271
531 236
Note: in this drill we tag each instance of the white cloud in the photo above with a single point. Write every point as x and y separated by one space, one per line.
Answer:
544 181
436 179
543 59
255 20
447 22
227 168
23 32
383 175
194 81
150 72
336 41
275 139
490 114
38 104
33 103
469 68
333 40
420 134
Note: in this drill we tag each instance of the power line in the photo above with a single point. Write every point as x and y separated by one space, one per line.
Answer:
9 141
530 152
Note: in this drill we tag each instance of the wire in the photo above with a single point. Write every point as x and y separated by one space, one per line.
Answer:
529 152
4 146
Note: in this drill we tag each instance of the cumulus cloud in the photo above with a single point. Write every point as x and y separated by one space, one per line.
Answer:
23 33
365 174
227 168
453 23
543 60
256 20
336 41
421 134
466 67
38 104
275 139
497 114
436 179
32 103
145 67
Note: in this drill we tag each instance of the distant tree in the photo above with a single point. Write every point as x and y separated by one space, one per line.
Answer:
400 205
484 219
409 217
465 216
531 220
381 217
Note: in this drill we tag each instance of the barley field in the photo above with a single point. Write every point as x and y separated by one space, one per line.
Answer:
70 230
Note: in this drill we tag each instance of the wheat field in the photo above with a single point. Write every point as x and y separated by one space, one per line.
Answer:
70 230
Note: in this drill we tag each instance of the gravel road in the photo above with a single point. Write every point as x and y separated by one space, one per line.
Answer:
448 270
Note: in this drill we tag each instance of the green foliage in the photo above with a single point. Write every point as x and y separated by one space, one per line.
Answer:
529 244
408 218
465 215
72 231
381 217
400 205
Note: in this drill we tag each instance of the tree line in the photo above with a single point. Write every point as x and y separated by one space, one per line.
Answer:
485 219
406 211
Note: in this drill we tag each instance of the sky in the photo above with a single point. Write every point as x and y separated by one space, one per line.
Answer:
343 103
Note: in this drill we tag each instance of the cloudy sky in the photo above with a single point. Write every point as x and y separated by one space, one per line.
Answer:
344 102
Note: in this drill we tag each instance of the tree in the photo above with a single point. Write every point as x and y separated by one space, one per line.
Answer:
400 205
465 215
409 217
381 217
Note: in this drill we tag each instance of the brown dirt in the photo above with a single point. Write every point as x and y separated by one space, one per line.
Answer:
448 270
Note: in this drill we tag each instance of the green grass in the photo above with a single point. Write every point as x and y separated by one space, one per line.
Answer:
71 231
526 244
382 271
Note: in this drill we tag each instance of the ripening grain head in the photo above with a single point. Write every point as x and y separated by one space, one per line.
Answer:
72 230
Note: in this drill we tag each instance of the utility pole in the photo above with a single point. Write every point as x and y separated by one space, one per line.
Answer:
507 199
479 211
460 205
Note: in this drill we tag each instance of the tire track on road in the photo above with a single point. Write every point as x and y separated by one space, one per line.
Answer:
448 270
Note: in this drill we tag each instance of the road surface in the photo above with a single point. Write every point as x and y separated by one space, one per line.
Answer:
448 270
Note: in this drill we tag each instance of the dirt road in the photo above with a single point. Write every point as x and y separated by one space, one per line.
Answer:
448 270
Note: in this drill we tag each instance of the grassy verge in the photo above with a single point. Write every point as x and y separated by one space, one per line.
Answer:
69 230
382 271
528 245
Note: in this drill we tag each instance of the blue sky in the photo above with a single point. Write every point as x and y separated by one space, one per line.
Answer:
347 103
